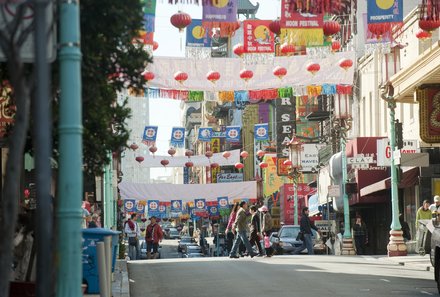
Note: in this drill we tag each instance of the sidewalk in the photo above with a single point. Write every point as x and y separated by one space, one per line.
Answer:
414 261
120 284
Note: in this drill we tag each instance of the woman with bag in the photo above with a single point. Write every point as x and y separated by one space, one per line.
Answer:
153 235
266 229
255 234
229 234
133 233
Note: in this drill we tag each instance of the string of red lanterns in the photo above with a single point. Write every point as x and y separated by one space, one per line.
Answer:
246 74
331 28
180 20
180 76
313 68
287 49
345 64
148 75
279 72
238 49
213 76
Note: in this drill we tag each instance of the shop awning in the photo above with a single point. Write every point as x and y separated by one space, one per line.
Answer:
409 178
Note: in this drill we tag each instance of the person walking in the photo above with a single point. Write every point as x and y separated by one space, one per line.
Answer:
255 231
360 235
306 227
153 235
266 229
423 213
229 234
132 231
239 227
405 228
435 207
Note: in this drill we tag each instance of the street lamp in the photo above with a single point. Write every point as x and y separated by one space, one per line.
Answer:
295 148
343 124
396 246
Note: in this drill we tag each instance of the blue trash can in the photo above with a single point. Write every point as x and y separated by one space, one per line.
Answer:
91 237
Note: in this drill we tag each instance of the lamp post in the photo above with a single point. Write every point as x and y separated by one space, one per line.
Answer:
343 122
295 148
396 246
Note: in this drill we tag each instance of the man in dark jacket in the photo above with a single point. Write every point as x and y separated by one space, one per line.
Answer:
306 226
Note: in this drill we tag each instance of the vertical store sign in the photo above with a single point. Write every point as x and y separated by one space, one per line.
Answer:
286 125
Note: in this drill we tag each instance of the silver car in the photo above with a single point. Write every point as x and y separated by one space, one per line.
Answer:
284 241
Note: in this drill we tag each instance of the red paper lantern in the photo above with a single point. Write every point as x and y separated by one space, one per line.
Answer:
238 49
180 20
213 76
345 64
148 75
239 165
246 74
313 68
244 154
429 25
260 153
171 152
139 159
287 163
180 76
208 154
279 72
336 46
287 49
275 27
263 165
189 164
226 155
331 28
189 153
153 149
134 146
155 45
214 165
423 35
164 162
379 29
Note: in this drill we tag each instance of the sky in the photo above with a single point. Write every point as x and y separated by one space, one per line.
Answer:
165 113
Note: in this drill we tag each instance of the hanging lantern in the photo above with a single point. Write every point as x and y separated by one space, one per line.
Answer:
155 45
214 165
423 35
148 75
287 49
244 154
153 149
189 153
331 28
345 64
260 153
239 165
208 154
263 165
313 68
189 164
295 148
279 72
341 107
171 152
180 20
336 46
275 27
213 76
239 49
287 163
379 29
246 74
139 159
164 162
134 146
226 155
180 76
429 25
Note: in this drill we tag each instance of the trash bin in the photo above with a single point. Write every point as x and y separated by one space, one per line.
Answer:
91 237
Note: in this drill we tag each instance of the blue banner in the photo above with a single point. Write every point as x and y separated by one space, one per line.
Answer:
205 134
176 205
149 136
140 207
162 211
199 204
130 205
177 137
153 208
213 211
223 202
261 132
385 11
196 35
233 133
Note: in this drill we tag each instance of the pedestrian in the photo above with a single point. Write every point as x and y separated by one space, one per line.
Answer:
405 228
360 235
239 227
132 231
435 207
306 226
153 235
229 234
255 231
423 213
266 229
94 222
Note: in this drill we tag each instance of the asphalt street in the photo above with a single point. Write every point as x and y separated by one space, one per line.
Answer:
279 276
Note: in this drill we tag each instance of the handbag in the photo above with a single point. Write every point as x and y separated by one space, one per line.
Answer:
300 236
132 240
266 242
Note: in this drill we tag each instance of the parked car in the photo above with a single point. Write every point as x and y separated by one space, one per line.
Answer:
185 240
191 249
174 234
284 241
143 249
435 250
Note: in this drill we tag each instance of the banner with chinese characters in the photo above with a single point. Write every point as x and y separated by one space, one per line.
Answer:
176 205
200 209
153 208
221 14
196 35
385 11
257 37
261 132
205 134
149 9
130 205
177 137
150 135
429 113
162 210
233 133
